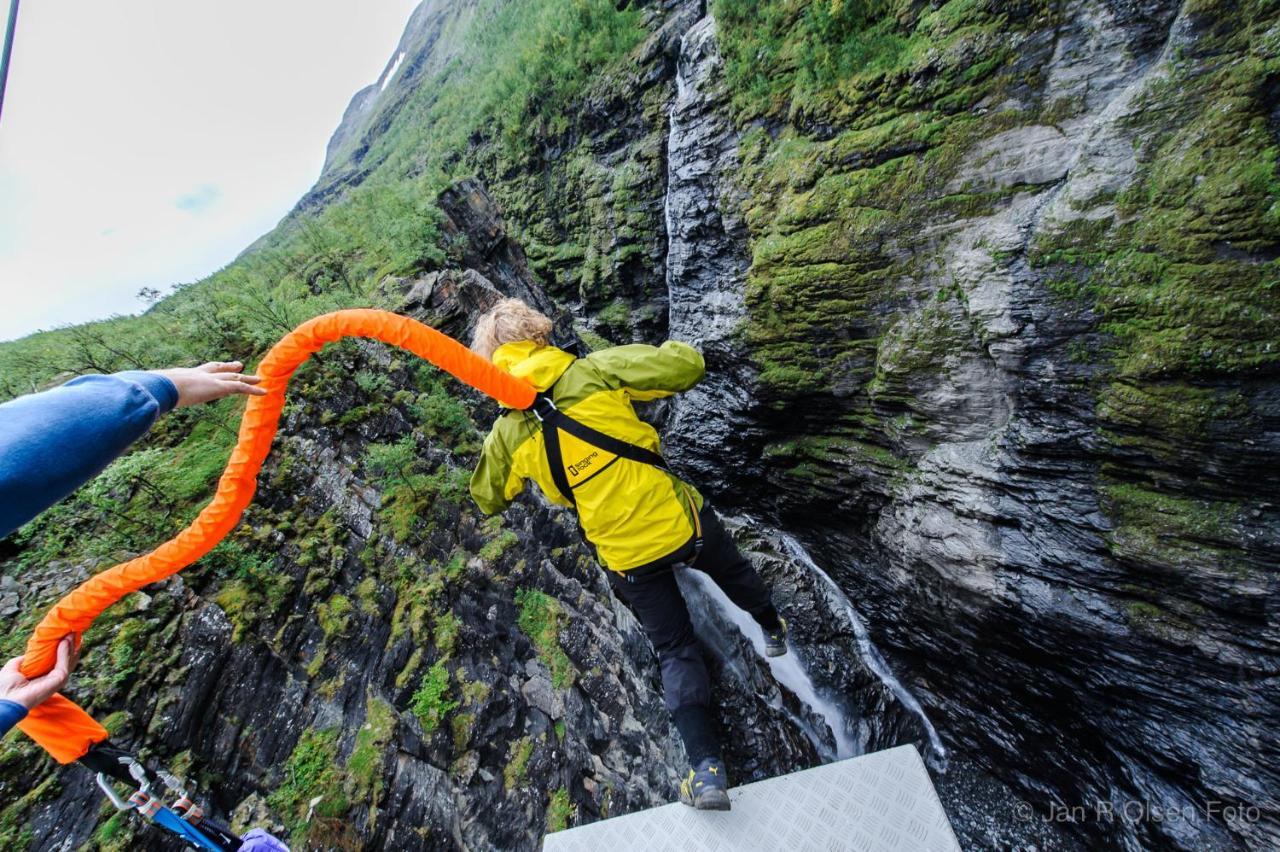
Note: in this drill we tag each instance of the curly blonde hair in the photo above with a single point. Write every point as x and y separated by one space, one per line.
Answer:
506 322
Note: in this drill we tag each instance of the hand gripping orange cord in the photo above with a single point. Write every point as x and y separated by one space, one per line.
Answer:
62 727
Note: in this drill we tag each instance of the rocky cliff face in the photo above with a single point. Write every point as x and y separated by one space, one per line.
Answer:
990 320
1005 333
296 689
986 339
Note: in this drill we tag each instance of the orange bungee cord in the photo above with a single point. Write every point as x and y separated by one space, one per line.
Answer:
59 725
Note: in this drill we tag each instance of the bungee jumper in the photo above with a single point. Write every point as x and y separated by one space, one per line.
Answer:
584 446
570 427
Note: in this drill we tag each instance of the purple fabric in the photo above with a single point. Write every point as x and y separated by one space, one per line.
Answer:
257 840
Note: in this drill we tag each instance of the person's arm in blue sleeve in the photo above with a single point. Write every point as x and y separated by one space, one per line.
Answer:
53 442
11 713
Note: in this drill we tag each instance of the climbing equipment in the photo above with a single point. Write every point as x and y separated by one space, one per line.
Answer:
554 421
60 726
183 818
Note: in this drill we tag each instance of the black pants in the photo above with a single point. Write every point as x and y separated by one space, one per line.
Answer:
654 597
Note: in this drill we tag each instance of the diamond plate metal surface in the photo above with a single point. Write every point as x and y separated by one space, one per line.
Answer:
881 802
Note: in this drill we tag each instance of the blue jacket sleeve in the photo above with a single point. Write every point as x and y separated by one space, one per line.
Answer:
53 442
11 713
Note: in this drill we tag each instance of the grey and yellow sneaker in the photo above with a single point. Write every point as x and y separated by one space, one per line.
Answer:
706 787
775 641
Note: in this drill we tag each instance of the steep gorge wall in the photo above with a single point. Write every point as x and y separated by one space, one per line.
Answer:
1007 364
1017 354
991 331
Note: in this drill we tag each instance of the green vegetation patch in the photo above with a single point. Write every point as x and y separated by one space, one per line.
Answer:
430 702
558 810
14 833
461 725
311 772
445 632
499 540
422 601
115 833
897 79
334 616
513 774
837 59
412 499
1162 529
540 616
1156 622
364 766
256 590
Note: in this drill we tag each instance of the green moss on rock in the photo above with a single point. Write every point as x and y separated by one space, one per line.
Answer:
365 765
559 810
310 773
1165 530
539 619
513 774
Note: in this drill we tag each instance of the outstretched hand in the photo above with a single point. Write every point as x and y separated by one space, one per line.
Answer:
211 381
15 687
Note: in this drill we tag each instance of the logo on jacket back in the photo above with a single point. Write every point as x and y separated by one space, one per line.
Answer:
581 465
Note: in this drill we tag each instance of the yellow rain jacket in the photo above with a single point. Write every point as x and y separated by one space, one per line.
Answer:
632 512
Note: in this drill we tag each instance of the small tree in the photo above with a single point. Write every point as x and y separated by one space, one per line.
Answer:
395 464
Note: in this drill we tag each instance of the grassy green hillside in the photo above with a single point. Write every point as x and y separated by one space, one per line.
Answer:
509 84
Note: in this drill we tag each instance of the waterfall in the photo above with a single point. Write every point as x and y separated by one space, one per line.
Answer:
788 671
673 136
706 266
706 262
867 650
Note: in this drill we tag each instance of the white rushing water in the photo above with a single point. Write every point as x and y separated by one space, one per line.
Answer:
788 671
673 134
867 650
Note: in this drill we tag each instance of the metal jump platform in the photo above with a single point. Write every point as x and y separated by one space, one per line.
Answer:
880 802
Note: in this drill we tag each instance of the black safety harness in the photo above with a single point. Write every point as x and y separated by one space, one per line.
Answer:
554 420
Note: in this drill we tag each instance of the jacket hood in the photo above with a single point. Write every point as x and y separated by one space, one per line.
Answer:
539 365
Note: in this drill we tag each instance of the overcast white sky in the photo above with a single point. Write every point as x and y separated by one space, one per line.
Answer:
147 142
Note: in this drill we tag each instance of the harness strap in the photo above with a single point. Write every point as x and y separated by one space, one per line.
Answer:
545 409
697 523
551 440
606 442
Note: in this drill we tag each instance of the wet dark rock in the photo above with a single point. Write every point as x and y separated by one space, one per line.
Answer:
921 407
961 485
